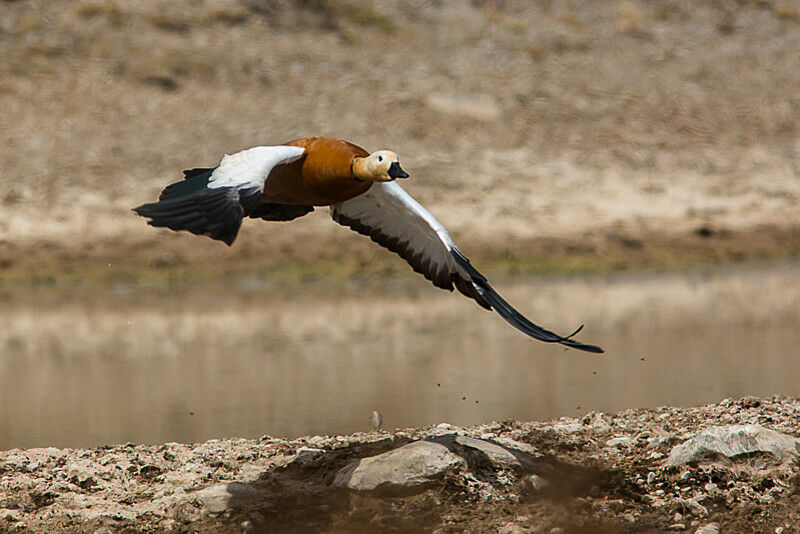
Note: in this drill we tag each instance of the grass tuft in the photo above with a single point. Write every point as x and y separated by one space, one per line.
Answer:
108 10
170 23
365 15
786 11
231 16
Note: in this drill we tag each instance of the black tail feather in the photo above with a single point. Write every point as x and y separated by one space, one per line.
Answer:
192 206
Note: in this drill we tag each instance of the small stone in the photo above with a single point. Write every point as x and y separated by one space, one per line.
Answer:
630 518
750 402
656 441
711 487
695 507
677 526
556 530
537 483
496 454
651 477
711 528
511 528
221 497
619 442
308 457
103 530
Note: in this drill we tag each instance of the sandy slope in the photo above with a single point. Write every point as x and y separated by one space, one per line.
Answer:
518 120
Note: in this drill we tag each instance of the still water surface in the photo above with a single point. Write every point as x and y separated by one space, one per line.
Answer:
207 364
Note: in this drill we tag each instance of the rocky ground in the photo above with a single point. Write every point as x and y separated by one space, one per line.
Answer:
726 467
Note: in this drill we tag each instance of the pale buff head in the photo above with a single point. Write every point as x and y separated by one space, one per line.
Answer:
380 166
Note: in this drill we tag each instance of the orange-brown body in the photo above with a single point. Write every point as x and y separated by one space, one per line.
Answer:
323 176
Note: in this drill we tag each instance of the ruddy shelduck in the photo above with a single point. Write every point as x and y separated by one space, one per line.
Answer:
283 182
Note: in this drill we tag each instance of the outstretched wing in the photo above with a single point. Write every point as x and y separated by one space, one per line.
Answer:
213 201
394 220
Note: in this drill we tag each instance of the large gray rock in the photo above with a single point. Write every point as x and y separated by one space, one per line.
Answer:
497 455
732 441
407 468
224 496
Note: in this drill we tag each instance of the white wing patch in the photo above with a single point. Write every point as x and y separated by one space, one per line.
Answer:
251 167
393 219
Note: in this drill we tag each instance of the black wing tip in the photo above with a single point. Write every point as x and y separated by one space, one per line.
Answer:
582 346
215 213
512 316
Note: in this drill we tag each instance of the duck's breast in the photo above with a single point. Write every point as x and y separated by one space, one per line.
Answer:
322 177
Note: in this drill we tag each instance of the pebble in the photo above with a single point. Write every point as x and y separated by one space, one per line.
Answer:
511 528
537 483
711 528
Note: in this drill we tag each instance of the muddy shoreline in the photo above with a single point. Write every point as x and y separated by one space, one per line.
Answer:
598 472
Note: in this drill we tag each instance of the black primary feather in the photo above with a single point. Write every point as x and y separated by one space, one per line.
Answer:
512 316
214 212
192 206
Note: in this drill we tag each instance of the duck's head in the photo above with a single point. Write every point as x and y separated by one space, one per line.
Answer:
380 166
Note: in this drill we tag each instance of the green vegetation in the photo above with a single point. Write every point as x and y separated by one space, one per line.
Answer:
64 271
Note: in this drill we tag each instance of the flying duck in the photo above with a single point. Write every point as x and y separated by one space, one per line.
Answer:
284 182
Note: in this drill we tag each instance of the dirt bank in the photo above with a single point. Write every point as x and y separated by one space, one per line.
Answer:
596 473
566 130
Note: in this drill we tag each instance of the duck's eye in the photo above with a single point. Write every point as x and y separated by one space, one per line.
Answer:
380 158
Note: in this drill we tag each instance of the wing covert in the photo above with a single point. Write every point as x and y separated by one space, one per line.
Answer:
394 220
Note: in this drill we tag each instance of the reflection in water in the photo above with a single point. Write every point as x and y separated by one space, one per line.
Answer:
194 368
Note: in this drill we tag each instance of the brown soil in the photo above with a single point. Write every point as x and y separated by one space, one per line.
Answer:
606 473
570 135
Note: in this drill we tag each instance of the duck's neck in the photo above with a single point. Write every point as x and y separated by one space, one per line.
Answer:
359 169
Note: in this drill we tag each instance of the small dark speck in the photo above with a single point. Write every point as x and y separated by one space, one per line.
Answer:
463 398
191 413
594 372
642 359
477 401
438 384
166 83
578 407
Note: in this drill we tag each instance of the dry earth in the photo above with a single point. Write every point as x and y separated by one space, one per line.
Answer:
621 133
596 473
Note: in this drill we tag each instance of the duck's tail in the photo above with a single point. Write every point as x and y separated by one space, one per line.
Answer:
193 206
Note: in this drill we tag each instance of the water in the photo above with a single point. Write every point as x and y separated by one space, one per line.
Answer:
206 364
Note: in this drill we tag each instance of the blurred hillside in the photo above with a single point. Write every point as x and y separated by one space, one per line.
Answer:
567 128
